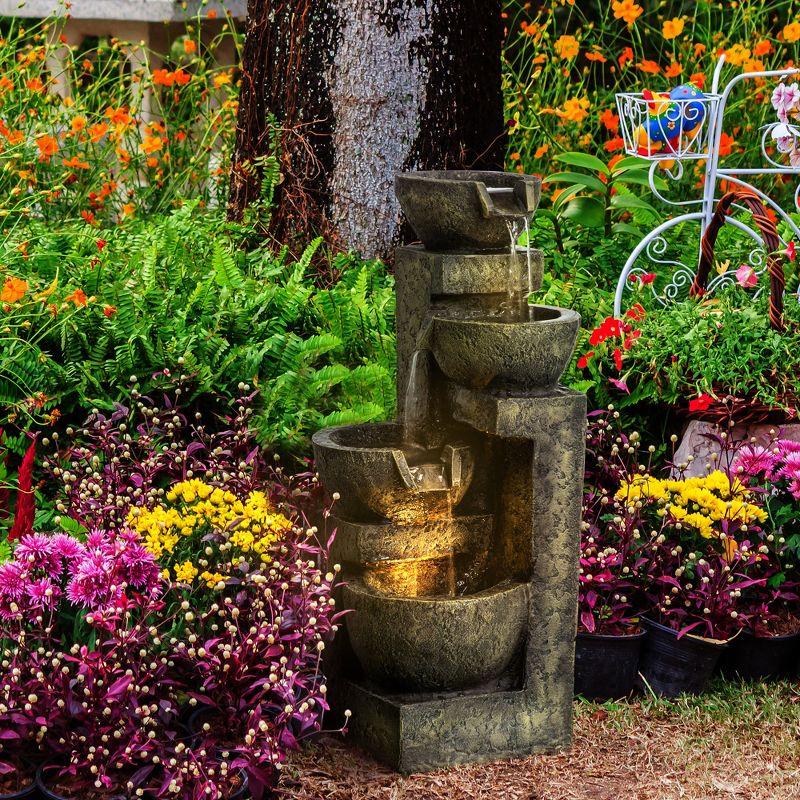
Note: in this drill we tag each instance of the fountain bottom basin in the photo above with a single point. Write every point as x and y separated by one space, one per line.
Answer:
436 643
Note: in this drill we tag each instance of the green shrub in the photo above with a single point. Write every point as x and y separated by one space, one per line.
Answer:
179 290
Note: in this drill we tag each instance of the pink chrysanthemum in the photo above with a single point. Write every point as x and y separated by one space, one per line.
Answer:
13 580
67 547
754 461
43 593
37 551
140 568
90 585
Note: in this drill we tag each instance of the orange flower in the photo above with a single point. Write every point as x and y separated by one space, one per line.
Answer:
109 311
627 10
78 124
575 109
726 144
541 150
762 48
152 162
119 117
625 56
672 28
699 49
48 147
162 77
566 47
698 79
649 66
128 209
791 32
738 54
673 70
180 77
35 84
98 131
595 56
610 120
212 13
75 163
152 144
78 297
88 218
189 47
612 145
6 84
753 65
14 289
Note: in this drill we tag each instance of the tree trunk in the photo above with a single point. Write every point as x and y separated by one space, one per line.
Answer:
360 90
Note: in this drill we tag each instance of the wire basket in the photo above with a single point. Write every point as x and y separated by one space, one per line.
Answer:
659 128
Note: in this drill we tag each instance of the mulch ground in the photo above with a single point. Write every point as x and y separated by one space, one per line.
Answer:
620 752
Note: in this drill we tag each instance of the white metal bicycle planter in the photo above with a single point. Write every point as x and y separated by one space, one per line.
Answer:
703 142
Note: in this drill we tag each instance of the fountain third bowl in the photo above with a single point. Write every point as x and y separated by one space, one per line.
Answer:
436 644
478 351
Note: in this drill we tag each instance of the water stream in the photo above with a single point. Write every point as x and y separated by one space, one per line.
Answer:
415 410
516 306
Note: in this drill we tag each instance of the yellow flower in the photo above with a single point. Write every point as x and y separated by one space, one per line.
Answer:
672 28
186 572
627 10
566 46
791 32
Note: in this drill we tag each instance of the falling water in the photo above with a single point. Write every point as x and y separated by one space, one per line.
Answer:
518 288
415 410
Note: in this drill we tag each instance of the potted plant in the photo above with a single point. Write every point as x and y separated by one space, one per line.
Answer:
610 633
770 646
696 561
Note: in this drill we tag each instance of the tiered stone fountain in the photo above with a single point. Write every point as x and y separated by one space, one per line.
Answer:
458 528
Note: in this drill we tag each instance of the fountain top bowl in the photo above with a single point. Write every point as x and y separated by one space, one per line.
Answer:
465 209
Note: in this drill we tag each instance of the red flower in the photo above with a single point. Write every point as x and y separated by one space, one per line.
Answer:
618 359
629 340
636 312
583 361
101 243
109 311
701 403
26 500
610 327
791 252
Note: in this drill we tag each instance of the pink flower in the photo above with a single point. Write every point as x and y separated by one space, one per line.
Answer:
13 579
746 276
36 550
785 99
43 593
755 460
67 547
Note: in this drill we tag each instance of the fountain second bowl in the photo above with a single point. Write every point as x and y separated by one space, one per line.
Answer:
479 351
376 474
436 644
465 209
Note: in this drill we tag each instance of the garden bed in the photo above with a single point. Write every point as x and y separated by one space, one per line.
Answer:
646 750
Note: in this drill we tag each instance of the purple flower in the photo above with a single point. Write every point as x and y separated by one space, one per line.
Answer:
67 547
37 551
91 584
13 580
139 567
43 593
785 99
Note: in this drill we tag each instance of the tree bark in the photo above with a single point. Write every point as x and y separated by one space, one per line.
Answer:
361 89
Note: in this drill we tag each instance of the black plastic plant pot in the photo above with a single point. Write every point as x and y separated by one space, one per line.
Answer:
44 791
670 666
759 658
606 666
29 792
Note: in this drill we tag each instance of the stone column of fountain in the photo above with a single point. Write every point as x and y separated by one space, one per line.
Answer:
458 527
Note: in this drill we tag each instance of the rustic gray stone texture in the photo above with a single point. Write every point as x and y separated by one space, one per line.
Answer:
458 210
436 644
527 354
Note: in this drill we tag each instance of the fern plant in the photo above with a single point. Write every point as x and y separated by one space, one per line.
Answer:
180 290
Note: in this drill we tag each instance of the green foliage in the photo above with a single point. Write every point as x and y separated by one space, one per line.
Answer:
179 290
598 195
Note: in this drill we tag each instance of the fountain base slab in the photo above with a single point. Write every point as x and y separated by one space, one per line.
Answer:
421 733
